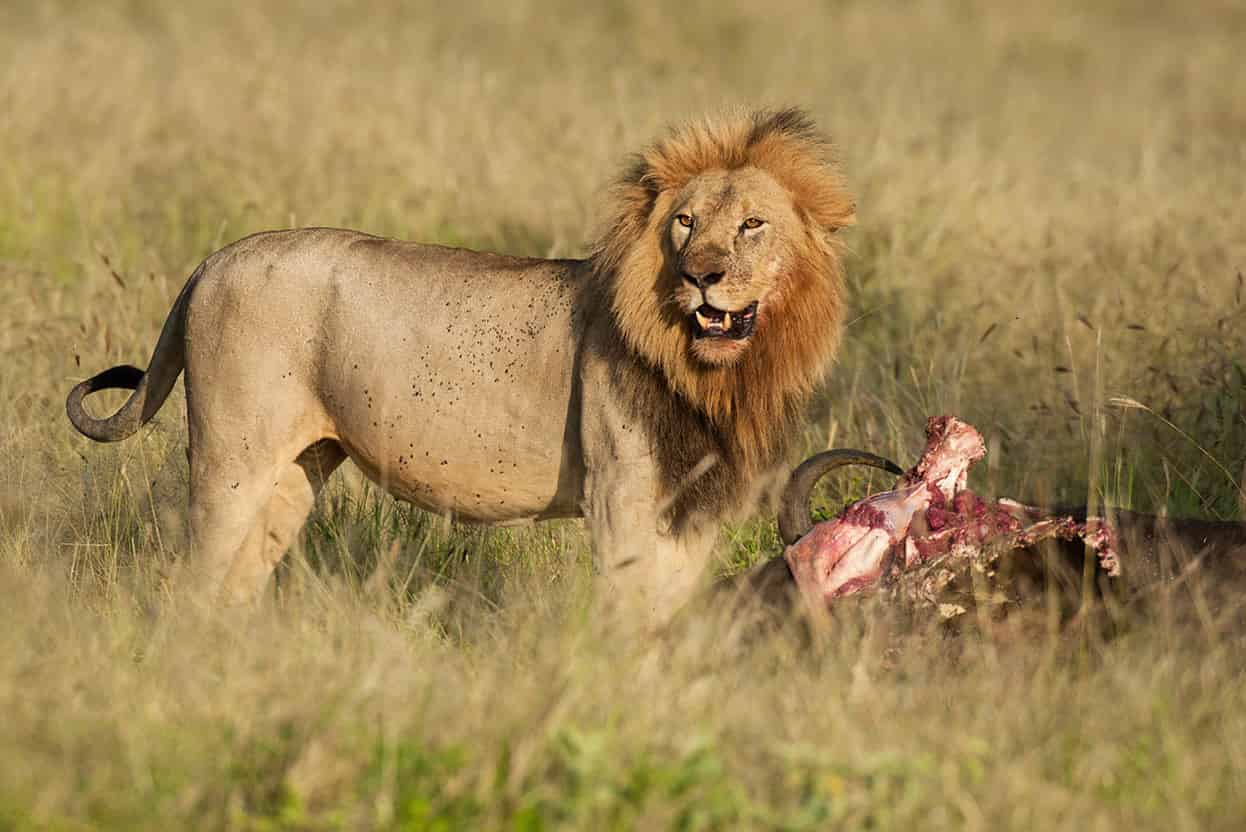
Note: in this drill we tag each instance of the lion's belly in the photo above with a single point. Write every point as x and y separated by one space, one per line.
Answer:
460 460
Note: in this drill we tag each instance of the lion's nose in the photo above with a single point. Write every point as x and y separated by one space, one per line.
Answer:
703 279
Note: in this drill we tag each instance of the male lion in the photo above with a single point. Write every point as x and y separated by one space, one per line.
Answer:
649 388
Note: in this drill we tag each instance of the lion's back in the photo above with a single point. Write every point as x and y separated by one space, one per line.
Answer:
322 271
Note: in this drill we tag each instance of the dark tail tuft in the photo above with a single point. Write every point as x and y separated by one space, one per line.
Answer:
117 427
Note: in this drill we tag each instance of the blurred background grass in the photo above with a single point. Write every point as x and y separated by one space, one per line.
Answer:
1050 216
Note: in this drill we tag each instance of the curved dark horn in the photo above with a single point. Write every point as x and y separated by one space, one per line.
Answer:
794 519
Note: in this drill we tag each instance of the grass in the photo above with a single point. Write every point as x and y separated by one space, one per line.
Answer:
1050 202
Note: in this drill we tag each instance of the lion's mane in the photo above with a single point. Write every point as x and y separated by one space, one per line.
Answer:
743 416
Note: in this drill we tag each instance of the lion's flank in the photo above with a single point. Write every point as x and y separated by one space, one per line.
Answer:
753 406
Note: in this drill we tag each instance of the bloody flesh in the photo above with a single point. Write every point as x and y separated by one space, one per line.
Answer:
929 514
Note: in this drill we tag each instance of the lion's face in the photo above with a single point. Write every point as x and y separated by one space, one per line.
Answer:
730 236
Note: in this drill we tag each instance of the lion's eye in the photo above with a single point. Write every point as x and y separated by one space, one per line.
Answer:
684 220
753 222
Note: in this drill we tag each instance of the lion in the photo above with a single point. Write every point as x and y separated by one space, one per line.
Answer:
649 388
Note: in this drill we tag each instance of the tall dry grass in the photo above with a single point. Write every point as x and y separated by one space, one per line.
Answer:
1050 206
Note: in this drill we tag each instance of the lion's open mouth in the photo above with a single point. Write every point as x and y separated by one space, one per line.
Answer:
710 322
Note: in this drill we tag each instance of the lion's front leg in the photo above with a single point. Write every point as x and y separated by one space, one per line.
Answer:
646 570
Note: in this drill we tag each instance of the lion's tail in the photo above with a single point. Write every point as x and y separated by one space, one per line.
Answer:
150 388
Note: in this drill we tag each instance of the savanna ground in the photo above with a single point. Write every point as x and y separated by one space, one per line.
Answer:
1051 217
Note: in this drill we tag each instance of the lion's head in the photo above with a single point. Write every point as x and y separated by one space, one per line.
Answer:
723 273
727 244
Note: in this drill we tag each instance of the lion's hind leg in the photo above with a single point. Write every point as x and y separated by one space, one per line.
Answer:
246 507
226 502
294 493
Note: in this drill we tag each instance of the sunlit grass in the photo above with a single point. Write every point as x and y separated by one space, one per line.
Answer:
1050 227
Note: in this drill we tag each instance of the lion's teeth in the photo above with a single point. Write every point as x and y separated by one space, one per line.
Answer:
726 320
702 321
